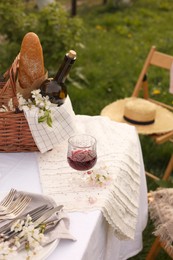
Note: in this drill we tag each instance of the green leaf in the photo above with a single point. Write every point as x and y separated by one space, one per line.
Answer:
49 121
42 119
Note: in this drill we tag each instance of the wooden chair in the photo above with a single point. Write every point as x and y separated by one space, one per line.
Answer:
158 244
157 59
169 169
161 60
164 61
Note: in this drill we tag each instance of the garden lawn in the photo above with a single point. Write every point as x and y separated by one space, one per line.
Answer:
115 43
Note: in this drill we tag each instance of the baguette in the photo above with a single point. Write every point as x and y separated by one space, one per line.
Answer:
31 64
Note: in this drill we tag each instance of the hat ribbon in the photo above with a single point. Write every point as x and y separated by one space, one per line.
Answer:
138 122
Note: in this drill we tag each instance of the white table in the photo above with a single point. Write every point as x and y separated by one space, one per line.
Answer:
95 240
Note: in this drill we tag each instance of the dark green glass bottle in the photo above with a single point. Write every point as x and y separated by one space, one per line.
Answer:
55 88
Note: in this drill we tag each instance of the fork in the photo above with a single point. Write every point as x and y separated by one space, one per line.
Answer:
13 205
7 200
5 231
16 208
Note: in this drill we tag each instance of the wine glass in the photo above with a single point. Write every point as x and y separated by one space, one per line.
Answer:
82 155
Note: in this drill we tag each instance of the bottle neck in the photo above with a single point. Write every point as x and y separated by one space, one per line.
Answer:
64 69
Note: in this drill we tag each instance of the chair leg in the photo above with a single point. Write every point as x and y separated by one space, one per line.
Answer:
152 176
154 250
168 249
169 169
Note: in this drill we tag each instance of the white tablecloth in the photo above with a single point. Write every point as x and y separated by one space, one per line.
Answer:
118 151
95 240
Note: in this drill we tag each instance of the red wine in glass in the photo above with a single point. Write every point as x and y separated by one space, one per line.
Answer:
82 155
82 160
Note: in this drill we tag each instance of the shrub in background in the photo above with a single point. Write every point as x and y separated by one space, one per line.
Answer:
58 32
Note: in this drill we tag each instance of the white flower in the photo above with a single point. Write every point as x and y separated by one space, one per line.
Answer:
10 105
17 226
29 101
36 93
26 230
7 252
28 220
101 179
17 241
42 103
47 104
99 176
22 102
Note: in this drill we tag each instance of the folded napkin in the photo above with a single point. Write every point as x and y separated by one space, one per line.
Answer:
61 220
46 137
60 228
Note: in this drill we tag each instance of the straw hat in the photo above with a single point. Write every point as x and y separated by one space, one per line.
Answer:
147 117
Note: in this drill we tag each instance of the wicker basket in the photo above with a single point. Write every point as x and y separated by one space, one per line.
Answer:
15 135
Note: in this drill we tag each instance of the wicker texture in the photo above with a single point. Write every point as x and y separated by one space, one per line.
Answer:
15 135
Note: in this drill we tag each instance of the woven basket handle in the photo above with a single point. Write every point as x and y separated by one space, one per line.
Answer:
11 74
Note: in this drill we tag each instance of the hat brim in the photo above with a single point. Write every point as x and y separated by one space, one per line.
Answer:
163 121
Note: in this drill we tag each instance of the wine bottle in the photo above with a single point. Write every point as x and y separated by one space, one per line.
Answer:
55 88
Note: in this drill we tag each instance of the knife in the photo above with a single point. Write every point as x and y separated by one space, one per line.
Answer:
47 215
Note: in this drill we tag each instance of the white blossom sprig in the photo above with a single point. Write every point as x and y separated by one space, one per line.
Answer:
25 233
42 103
99 177
7 251
37 100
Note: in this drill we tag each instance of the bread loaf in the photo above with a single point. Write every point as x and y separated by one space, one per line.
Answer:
31 64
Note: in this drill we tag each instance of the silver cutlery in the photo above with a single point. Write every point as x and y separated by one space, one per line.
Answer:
7 234
40 221
47 215
35 214
8 199
15 208
39 217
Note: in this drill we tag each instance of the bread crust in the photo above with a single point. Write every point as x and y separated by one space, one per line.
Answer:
31 62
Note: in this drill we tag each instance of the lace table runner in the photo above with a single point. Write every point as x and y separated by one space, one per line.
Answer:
118 149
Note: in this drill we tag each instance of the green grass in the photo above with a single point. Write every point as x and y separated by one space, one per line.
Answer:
113 48
115 42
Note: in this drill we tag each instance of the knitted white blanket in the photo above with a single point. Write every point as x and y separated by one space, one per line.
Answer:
118 149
